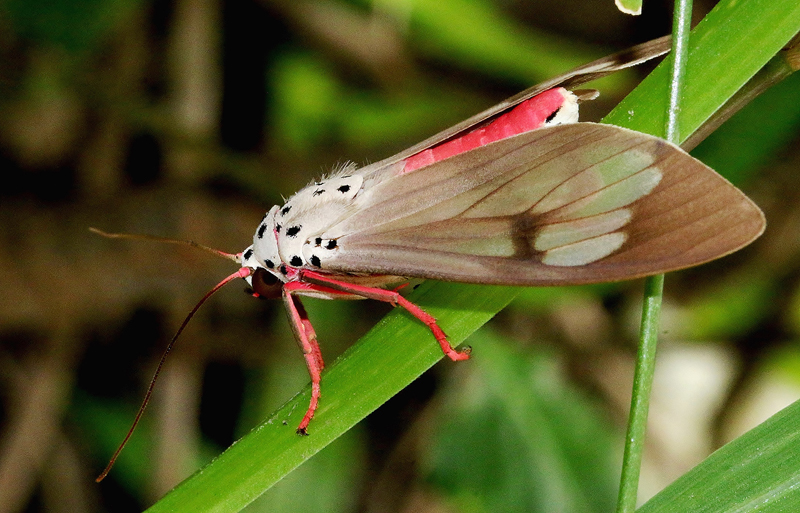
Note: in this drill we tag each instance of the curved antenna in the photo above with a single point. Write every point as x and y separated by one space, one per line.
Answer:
241 273
137 236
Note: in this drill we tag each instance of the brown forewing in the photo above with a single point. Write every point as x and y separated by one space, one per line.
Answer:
414 224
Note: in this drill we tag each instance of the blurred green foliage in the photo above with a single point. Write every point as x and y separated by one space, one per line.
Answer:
77 26
514 436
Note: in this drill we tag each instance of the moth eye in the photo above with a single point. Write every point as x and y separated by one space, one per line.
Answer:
293 231
343 188
318 192
266 284
318 241
331 244
296 261
285 210
315 261
261 230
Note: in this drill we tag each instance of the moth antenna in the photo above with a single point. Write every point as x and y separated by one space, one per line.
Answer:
137 236
241 273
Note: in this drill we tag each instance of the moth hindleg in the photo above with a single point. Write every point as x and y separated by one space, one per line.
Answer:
395 299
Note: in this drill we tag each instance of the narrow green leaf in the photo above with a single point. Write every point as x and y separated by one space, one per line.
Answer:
759 471
727 47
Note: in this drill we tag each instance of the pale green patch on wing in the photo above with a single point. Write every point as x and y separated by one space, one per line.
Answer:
584 252
591 180
613 197
569 232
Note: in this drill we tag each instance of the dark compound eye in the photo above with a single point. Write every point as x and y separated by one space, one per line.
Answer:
266 284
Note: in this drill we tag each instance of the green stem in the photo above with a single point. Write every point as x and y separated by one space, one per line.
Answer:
654 288
640 400
681 26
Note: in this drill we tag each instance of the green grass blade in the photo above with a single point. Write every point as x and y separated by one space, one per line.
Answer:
736 39
727 47
759 471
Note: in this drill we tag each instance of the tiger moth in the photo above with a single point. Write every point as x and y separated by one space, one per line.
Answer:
520 194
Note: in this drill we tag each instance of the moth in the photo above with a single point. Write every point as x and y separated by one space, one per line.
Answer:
520 194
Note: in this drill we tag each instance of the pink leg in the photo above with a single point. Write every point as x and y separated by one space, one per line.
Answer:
307 340
389 296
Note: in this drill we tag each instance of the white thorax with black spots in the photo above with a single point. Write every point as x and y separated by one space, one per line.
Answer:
288 238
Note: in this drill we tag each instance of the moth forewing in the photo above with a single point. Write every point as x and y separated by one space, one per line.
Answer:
569 204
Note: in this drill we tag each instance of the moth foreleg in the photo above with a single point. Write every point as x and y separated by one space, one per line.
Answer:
394 298
306 338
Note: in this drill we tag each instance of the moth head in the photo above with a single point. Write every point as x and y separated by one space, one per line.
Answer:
264 283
